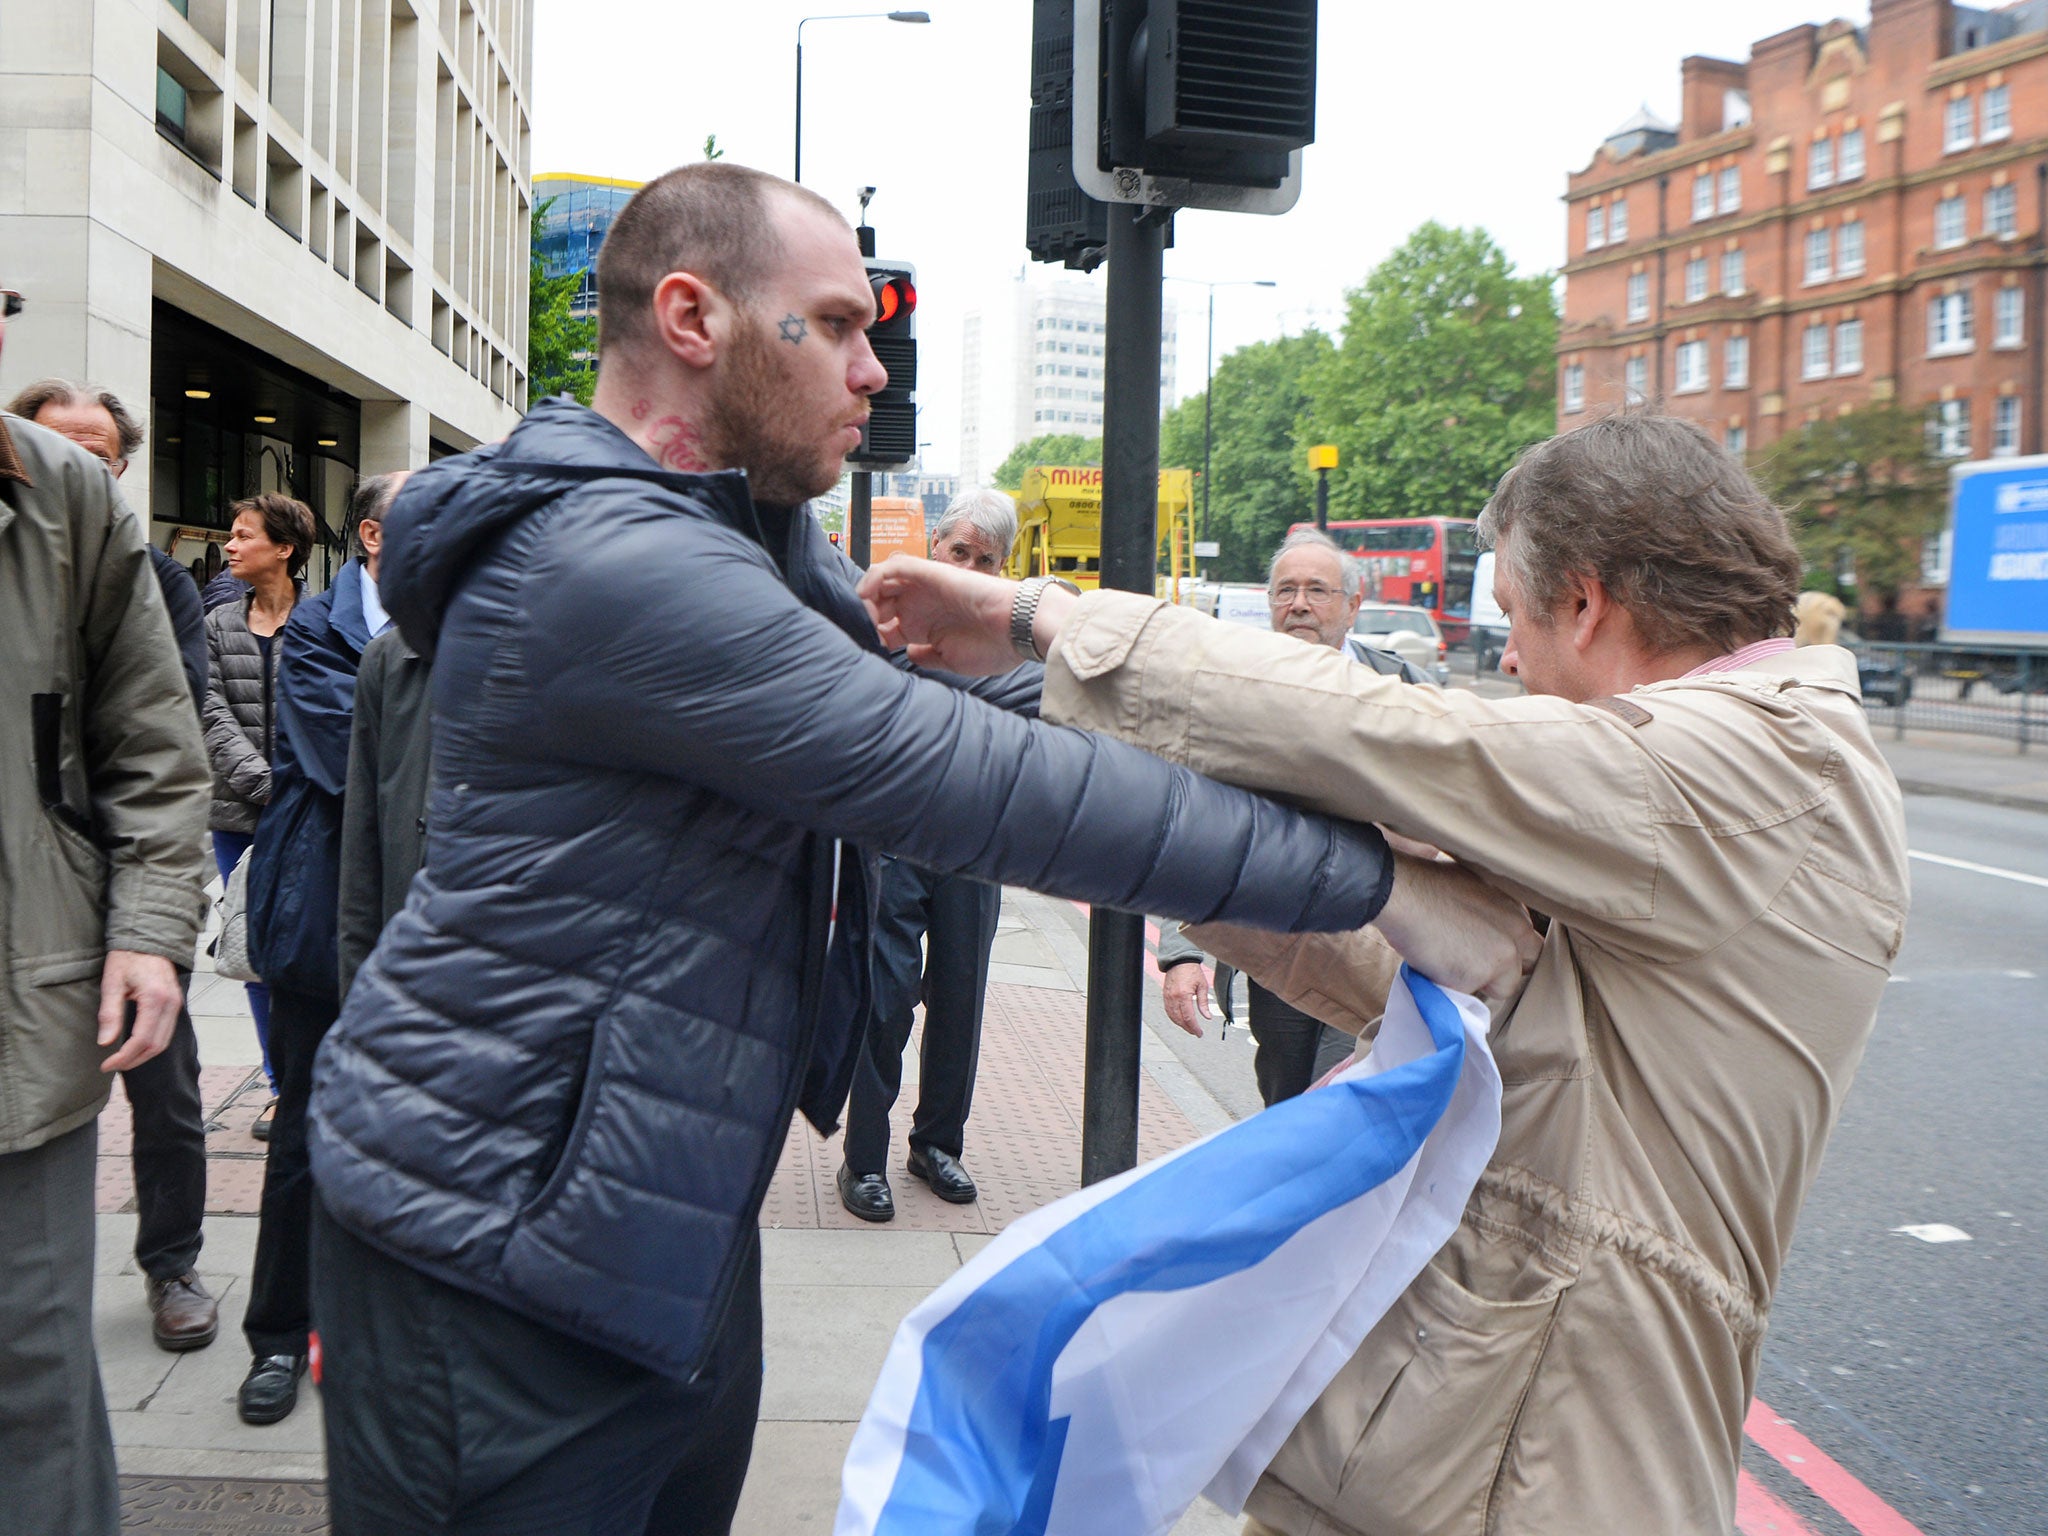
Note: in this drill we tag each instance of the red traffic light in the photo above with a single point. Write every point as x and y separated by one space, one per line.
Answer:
895 297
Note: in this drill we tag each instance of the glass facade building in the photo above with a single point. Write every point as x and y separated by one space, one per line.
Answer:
576 214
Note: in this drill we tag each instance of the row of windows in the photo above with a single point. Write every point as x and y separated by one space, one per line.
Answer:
1071 394
1965 123
1716 194
1068 323
1065 371
1077 348
1084 418
1825 350
1834 253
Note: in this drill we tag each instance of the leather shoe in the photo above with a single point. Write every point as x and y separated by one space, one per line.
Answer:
942 1170
866 1195
271 1389
260 1126
185 1315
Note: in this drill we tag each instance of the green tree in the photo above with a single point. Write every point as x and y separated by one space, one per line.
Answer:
1864 493
558 344
1260 478
1446 372
711 149
1051 448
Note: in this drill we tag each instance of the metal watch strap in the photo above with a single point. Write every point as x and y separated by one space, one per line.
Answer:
1024 612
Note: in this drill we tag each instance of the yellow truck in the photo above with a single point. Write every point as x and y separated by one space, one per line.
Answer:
1059 525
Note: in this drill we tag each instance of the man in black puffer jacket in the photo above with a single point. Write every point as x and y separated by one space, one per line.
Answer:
666 745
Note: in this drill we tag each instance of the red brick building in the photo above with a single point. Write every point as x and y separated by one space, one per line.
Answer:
1854 214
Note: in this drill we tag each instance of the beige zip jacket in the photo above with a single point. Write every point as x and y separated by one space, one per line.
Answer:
1723 861
103 790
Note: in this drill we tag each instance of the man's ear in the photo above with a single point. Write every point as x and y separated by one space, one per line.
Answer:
687 319
1588 606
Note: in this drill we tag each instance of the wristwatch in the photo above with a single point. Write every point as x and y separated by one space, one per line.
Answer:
1024 609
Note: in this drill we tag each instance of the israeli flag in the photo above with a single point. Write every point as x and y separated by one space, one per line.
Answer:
1158 1335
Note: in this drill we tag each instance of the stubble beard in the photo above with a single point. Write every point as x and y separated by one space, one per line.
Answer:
747 425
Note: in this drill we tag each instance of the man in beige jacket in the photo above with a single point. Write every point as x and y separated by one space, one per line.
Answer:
1700 812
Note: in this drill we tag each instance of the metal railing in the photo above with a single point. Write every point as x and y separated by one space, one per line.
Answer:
2002 694
1957 688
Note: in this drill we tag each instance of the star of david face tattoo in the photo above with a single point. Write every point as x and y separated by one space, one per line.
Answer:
794 329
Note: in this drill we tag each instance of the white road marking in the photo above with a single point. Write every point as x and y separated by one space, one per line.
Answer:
1936 1232
1976 869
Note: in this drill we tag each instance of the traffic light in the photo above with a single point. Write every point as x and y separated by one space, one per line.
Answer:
889 441
1194 103
1061 222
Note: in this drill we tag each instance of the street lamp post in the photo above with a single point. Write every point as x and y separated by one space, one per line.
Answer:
919 17
1209 377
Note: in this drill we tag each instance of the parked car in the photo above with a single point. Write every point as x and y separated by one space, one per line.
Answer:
1883 678
1410 633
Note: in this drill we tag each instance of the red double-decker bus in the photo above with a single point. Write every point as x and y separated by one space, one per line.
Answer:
1426 562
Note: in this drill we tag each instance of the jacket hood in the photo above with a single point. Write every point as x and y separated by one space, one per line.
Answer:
447 513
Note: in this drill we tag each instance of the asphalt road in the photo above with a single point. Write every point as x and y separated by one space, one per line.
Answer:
1922 1368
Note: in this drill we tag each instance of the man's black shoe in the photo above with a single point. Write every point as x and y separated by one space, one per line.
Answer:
942 1170
866 1195
271 1389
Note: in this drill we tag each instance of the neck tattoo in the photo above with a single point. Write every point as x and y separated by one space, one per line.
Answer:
676 444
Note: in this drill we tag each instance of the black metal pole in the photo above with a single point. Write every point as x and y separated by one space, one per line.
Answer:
860 511
1323 500
1130 558
1208 402
797 173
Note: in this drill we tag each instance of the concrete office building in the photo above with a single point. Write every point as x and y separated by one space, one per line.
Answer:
1031 364
296 231
1853 213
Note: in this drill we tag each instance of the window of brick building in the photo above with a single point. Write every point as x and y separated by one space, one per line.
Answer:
1851 155
1635 380
1696 280
1731 272
1948 429
1950 324
1849 347
1997 113
1818 256
1574 388
1735 363
1639 296
1736 439
1596 227
1950 223
1957 126
1849 248
1813 352
1731 188
1820 163
2005 426
1691 373
2002 212
1617 223
1703 195
2008 317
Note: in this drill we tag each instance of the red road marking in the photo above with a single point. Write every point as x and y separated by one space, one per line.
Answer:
1824 1475
1759 1512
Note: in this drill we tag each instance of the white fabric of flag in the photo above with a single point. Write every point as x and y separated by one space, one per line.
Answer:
1157 1335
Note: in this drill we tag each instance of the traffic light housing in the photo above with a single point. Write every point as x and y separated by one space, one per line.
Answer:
889 440
1194 103
1061 222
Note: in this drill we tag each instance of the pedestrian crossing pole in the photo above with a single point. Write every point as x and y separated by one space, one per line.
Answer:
1130 556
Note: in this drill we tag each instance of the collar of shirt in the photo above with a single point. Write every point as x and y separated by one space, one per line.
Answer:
1735 660
374 615
10 460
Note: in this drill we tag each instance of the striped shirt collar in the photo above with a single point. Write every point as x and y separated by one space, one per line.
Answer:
1760 650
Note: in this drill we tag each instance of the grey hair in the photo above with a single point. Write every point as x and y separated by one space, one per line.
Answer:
992 514
63 392
1315 538
368 503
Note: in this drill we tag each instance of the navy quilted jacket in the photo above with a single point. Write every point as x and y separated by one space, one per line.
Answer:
564 1077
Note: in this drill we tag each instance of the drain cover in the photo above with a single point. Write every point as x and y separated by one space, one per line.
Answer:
236 1506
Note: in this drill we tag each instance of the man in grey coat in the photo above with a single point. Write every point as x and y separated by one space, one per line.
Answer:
101 828
384 817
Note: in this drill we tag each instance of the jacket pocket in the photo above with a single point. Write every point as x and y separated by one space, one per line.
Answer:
552 1173
1447 1374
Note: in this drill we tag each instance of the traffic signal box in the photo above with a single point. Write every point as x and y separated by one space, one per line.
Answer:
889 441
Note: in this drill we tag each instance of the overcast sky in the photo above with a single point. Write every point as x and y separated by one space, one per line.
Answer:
1468 114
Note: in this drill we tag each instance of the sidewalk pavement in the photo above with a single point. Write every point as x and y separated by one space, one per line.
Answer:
834 1287
1981 768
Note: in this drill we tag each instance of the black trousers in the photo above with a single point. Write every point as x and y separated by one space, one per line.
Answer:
1293 1049
452 1415
957 917
277 1317
168 1154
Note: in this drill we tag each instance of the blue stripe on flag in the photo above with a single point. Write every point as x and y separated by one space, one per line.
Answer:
980 1453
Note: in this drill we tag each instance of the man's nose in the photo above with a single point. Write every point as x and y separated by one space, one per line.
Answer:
868 376
1510 659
